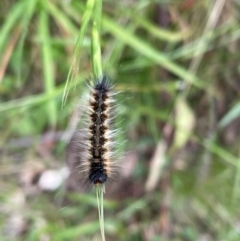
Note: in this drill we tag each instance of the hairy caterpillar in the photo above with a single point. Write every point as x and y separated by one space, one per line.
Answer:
98 137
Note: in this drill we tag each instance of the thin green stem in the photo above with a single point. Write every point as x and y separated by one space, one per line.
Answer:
96 45
99 192
74 66
48 66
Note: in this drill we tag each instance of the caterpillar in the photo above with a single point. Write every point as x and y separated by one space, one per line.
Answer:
98 137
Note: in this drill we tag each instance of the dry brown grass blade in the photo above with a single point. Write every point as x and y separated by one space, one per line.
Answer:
156 166
210 25
8 52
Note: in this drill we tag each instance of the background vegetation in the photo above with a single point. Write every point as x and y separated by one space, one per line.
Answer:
176 64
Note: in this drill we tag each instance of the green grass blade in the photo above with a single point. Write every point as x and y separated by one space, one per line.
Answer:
72 233
61 18
48 66
14 14
231 115
96 45
27 16
74 66
99 192
161 33
221 152
30 101
148 51
194 48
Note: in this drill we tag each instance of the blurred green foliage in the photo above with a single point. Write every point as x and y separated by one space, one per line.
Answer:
176 64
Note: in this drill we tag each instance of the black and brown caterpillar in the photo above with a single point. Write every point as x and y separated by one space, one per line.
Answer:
98 137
